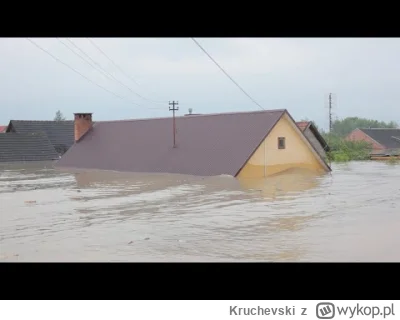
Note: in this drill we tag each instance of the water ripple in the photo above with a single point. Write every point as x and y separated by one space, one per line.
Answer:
349 215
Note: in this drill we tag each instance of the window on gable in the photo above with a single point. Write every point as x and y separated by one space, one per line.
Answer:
281 143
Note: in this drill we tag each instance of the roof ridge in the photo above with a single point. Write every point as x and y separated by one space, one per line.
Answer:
42 120
195 115
33 133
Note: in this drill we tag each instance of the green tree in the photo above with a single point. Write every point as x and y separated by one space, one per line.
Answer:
344 126
59 116
342 150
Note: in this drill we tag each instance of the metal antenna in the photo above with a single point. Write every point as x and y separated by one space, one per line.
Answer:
173 109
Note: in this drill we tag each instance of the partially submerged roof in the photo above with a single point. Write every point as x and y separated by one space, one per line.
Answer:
26 147
207 145
389 138
303 125
60 133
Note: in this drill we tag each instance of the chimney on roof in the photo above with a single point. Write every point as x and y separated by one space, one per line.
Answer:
82 124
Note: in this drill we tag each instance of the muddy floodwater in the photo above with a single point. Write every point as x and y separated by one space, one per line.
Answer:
352 214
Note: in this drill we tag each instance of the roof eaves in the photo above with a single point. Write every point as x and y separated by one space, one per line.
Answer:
319 137
308 140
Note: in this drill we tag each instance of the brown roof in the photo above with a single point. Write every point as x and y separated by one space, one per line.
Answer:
303 124
207 145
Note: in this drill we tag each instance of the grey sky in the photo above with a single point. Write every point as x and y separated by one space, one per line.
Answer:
296 74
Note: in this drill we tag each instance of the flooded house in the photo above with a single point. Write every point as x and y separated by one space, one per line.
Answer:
385 142
242 144
21 147
26 140
59 133
315 137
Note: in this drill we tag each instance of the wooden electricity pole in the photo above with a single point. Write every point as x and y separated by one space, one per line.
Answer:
173 109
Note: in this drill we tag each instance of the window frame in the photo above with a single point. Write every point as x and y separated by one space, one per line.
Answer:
281 143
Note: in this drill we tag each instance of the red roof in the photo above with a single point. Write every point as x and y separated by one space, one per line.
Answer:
207 145
3 129
303 124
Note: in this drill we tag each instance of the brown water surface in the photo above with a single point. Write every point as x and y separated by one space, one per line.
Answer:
352 214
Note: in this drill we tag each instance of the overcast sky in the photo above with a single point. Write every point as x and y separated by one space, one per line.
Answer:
296 74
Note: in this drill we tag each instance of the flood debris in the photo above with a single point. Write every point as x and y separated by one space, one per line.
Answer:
30 201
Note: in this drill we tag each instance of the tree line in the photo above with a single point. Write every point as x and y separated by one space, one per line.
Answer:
343 150
342 127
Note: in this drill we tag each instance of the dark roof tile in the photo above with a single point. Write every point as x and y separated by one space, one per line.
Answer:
385 137
26 147
60 133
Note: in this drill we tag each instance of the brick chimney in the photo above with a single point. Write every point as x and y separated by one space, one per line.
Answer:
83 123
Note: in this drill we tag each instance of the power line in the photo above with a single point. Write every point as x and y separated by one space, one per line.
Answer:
77 54
121 70
108 74
222 69
83 76
95 62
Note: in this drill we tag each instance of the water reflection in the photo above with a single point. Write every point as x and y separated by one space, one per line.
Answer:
291 182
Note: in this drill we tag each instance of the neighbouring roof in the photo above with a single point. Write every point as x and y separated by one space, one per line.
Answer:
3 129
389 138
26 147
207 145
303 125
60 133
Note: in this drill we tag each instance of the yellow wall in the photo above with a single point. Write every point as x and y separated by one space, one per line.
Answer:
287 183
269 160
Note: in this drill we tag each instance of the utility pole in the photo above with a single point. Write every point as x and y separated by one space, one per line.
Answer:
330 113
173 109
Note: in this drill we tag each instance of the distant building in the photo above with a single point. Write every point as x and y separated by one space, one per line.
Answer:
3 129
244 144
384 141
21 147
316 139
60 133
35 140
